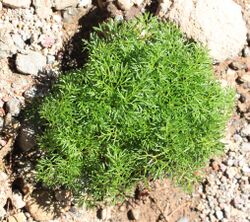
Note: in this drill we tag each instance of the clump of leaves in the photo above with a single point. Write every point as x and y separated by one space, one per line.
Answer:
146 104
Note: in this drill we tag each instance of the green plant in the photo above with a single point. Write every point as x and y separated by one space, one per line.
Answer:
146 104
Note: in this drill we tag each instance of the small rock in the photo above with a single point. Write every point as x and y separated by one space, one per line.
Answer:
1 123
17 3
71 14
47 41
215 165
237 138
236 65
7 46
4 193
189 15
105 214
17 200
14 106
50 59
183 219
18 41
138 2
30 93
19 217
125 4
43 8
246 169
26 139
85 3
31 63
245 77
2 213
231 172
44 13
63 4
246 130
163 7
134 214
219 214
246 51
245 147
44 4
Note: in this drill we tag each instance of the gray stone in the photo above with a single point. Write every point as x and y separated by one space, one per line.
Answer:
17 200
18 41
63 4
13 106
211 23
26 139
219 214
17 3
31 63
31 93
51 59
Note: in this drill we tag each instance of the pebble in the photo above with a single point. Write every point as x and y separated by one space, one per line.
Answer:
84 3
245 147
17 200
246 51
125 4
105 214
31 63
246 169
13 106
219 214
245 131
134 214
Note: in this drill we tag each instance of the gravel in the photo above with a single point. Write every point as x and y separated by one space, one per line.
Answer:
224 195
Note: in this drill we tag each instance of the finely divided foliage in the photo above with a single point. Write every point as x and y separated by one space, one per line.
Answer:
145 105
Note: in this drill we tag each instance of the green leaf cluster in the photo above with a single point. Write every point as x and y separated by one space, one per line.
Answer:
145 105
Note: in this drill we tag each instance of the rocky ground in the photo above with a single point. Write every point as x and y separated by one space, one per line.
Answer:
39 38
